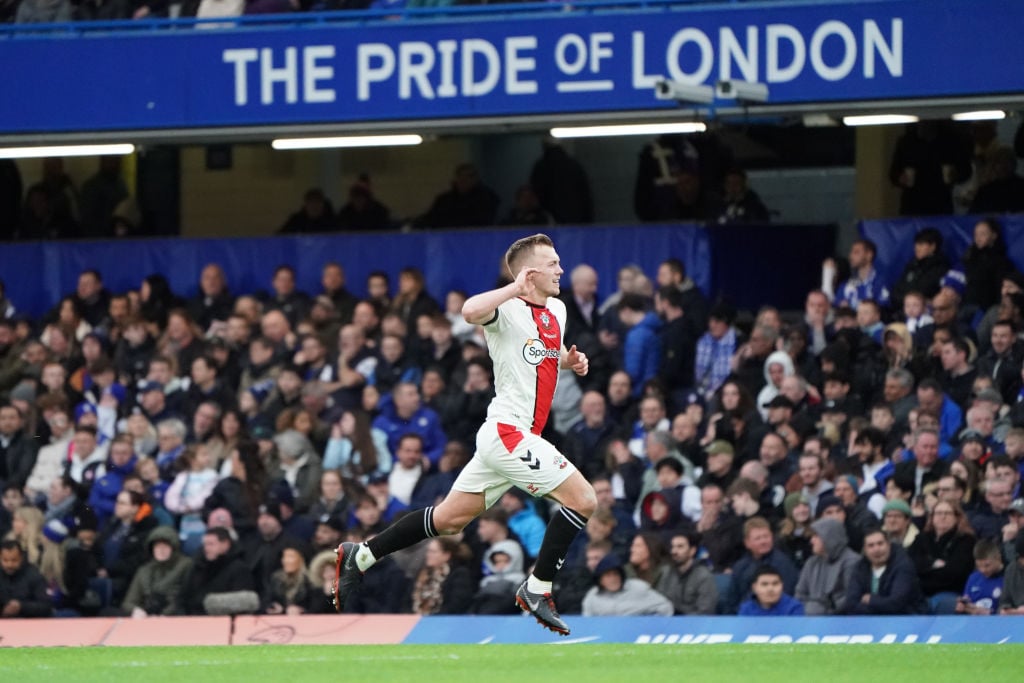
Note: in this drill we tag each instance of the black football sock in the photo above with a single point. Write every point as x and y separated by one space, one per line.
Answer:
412 528
562 529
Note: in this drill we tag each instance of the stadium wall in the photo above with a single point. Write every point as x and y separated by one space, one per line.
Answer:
411 629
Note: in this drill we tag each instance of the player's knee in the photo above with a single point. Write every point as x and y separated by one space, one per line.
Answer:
587 503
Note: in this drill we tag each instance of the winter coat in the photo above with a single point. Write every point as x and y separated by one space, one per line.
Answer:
898 589
787 606
132 552
743 575
225 574
693 591
103 494
383 590
28 587
641 351
956 550
635 598
156 587
823 580
20 458
769 390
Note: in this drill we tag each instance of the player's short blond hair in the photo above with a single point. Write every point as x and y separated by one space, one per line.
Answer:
521 248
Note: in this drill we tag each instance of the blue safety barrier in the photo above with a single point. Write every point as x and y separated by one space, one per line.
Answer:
717 630
38 274
894 239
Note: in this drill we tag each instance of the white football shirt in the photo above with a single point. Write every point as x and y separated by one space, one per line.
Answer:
525 344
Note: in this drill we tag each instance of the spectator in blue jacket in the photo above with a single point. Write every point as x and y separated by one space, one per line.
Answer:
641 351
120 463
761 551
524 520
769 599
885 581
407 415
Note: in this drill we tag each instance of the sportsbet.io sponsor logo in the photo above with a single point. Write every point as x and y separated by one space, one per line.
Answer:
534 352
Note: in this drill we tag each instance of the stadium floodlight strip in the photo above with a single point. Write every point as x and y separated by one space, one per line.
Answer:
347 141
984 115
119 149
879 119
628 129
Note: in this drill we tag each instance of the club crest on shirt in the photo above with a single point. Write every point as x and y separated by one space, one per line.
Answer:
534 352
560 461
545 320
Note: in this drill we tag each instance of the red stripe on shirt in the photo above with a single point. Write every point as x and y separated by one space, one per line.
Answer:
547 371
509 435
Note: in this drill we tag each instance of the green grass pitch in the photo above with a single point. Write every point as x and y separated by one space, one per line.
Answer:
578 663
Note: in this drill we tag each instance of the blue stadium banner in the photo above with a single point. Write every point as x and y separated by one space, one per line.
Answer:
495 66
38 274
894 240
683 631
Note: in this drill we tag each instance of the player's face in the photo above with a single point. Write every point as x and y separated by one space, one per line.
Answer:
546 260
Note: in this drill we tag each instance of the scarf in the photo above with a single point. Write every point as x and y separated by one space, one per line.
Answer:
427 594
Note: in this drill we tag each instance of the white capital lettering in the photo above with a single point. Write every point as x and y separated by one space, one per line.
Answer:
641 81
891 53
515 65
367 73
471 48
599 49
446 88
730 50
415 60
571 40
241 58
774 72
833 73
312 73
707 56
269 75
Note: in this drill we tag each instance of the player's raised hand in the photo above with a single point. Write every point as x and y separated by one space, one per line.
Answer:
577 361
524 283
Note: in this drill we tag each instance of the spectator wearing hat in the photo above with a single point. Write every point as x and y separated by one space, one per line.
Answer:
156 588
831 506
897 522
264 555
616 595
719 469
827 573
777 366
795 528
84 594
884 580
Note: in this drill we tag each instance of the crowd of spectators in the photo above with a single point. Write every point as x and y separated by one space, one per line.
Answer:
205 455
